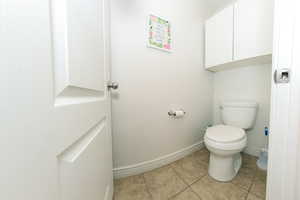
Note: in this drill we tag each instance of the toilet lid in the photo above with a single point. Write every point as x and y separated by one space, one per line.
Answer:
223 133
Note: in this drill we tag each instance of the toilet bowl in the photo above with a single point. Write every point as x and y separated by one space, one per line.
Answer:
225 144
226 141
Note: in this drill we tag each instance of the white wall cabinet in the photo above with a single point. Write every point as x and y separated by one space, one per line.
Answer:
253 28
219 38
241 33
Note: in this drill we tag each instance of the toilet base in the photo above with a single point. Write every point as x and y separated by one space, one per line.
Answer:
224 168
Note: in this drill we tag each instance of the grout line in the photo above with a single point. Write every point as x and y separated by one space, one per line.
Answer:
147 188
189 184
195 183
179 176
253 179
198 179
252 193
240 186
186 184
196 193
206 175
247 196
178 193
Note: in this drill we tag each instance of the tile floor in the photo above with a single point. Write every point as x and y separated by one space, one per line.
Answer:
187 179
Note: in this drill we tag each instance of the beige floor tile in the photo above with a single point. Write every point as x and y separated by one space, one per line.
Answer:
189 169
249 161
164 183
253 197
131 188
259 184
170 182
186 195
202 155
261 175
244 178
209 189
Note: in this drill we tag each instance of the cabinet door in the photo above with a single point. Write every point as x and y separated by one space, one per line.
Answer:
253 28
219 38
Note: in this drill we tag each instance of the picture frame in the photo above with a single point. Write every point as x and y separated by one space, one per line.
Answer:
159 33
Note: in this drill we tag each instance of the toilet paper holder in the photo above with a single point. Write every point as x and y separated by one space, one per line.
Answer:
173 113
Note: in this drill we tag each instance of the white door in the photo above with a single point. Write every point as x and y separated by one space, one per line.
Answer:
55 134
284 157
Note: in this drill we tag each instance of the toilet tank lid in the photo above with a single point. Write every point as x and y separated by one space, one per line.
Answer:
240 104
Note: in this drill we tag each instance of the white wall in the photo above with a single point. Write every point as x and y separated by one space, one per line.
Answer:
217 5
151 80
246 83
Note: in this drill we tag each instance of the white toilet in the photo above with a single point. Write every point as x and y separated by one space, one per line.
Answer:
225 142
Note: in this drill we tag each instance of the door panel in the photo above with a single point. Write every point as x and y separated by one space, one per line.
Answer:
85 41
78 41
82 168
55 134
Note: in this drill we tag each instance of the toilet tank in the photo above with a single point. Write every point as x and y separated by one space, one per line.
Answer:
240 114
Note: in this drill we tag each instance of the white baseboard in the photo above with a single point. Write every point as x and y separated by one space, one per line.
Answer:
139 168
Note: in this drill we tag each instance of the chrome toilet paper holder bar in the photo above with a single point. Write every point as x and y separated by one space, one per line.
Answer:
172 113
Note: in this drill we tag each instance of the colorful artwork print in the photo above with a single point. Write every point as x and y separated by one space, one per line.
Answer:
159 33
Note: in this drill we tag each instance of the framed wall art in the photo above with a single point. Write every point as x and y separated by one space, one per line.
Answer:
159 33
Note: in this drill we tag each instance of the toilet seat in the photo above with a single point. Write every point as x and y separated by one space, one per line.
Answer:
226 146
225 134
225 137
